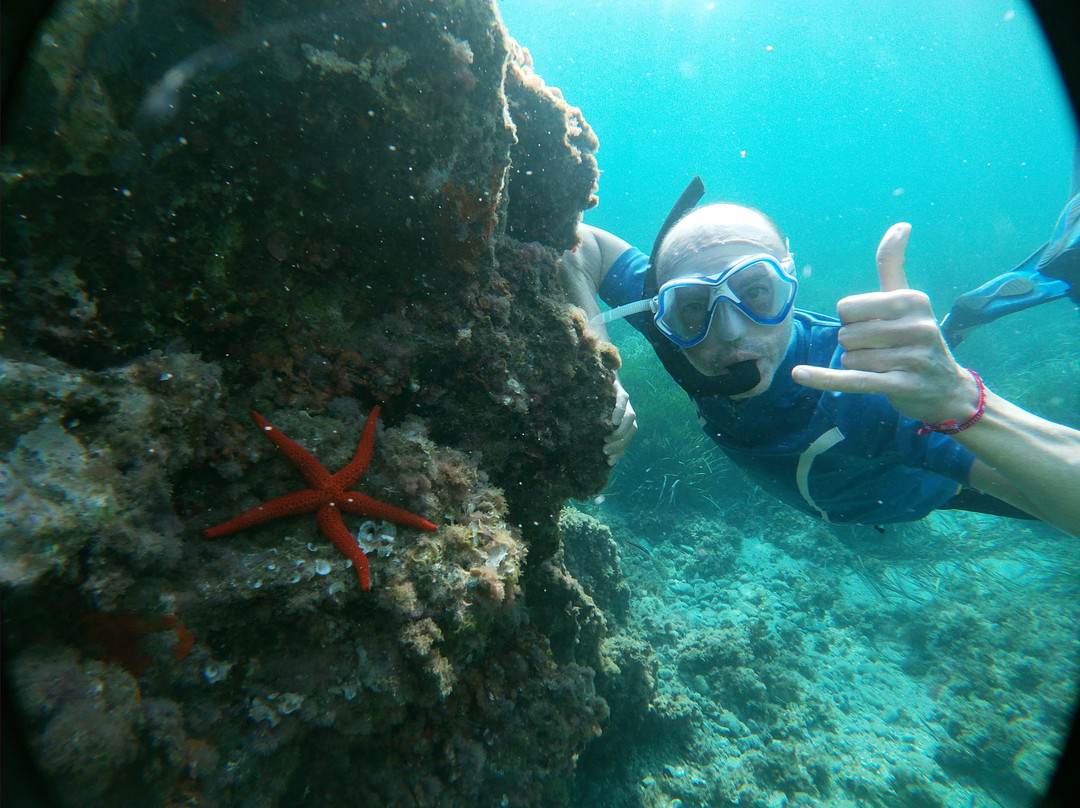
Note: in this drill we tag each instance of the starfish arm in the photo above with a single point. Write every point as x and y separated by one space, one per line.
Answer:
328 495
297 502
348 476
314 472
362 505
333 527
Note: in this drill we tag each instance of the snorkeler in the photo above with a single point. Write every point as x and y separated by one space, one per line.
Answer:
865 418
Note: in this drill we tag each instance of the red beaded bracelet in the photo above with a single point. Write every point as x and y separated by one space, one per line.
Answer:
952 427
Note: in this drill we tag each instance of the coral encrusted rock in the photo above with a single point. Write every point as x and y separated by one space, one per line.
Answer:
307 210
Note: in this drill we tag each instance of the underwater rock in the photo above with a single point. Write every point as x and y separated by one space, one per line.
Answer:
320 205
218 207
279 649
547 187
84 717
593 558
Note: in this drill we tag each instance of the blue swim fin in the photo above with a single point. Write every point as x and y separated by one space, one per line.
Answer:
1050 273
1061 258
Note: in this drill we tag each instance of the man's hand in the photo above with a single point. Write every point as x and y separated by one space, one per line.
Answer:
893 346
624 425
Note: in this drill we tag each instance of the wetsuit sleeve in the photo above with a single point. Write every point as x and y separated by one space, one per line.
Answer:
937 453
624 282
625 278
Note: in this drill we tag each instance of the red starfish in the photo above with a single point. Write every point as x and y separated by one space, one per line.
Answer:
328 496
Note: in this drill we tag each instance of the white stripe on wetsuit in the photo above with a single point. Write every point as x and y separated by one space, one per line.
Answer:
806 459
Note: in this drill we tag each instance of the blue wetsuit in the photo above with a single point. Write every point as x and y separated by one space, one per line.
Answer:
845 457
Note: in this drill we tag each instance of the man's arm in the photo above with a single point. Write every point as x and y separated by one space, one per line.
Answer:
1037 460
583 268
893 346
581 271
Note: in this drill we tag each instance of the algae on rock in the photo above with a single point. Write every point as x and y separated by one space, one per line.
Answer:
211 208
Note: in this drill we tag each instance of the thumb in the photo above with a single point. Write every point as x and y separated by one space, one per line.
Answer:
890 257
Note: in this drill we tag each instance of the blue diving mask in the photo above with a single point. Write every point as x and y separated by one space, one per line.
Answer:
684 308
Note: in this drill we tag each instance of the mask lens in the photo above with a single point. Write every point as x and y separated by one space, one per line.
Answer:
690 310
760 290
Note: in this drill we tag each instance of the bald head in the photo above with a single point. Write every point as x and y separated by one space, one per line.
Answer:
735 228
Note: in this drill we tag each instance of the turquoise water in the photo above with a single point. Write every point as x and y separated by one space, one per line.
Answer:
902 674
837 119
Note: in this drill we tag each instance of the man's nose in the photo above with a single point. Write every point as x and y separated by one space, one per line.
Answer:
728 322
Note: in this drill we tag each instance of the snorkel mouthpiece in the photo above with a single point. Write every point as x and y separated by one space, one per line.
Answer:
740 378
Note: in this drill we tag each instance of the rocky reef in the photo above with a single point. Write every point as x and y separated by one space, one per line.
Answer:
217 207
794 663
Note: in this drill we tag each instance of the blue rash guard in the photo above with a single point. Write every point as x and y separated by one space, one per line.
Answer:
844 457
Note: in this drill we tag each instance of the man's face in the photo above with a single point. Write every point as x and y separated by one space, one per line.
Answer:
733 336
741 339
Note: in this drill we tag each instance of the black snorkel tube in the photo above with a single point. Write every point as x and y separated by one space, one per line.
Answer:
739 377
